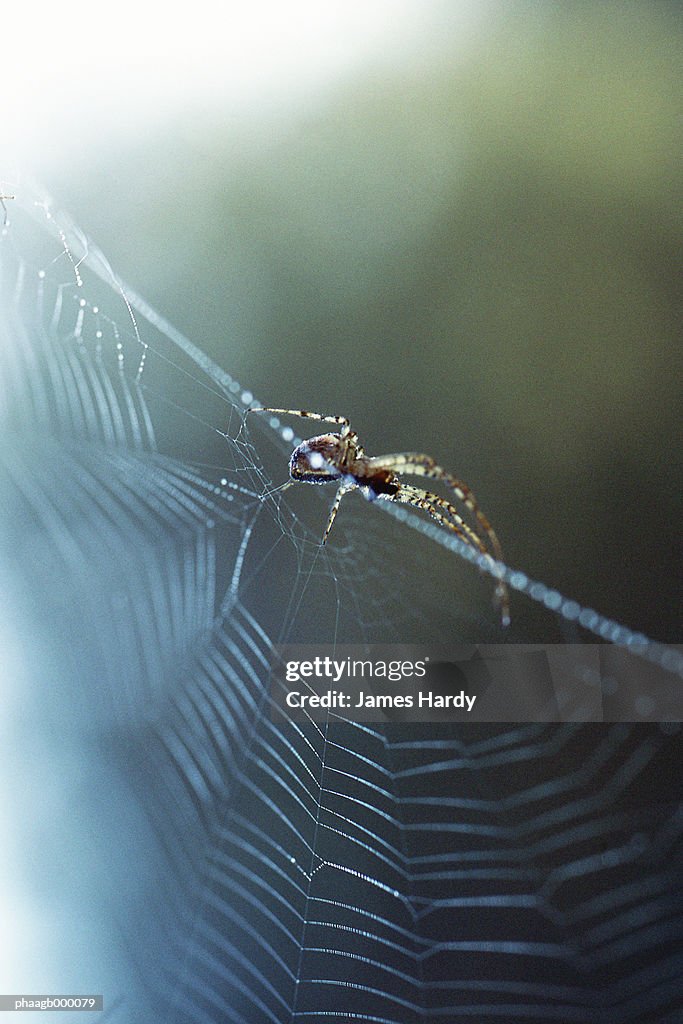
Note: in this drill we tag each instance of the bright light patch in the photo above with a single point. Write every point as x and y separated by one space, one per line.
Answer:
86 73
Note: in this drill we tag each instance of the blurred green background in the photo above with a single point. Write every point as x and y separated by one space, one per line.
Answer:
471 248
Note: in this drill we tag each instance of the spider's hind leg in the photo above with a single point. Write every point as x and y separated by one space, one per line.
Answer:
442 511
417 464
447 515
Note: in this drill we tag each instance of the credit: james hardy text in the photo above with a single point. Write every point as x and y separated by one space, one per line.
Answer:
341 700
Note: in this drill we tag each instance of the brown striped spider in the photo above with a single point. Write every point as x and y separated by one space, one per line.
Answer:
340 456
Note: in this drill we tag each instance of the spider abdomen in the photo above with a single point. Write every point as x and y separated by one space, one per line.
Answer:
379 481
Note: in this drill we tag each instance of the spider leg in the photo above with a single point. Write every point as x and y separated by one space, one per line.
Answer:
416 464
439 509
341 491
447 515
341 420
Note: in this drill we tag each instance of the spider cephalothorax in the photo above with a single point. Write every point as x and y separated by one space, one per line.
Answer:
316 461
339 456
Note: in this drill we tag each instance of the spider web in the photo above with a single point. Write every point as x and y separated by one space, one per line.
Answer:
239 866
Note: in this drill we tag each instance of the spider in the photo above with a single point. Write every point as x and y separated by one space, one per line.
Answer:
340 456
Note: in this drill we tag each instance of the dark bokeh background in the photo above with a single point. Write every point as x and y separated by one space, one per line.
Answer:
470 251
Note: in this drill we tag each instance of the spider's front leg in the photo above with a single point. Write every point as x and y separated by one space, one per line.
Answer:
304 415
